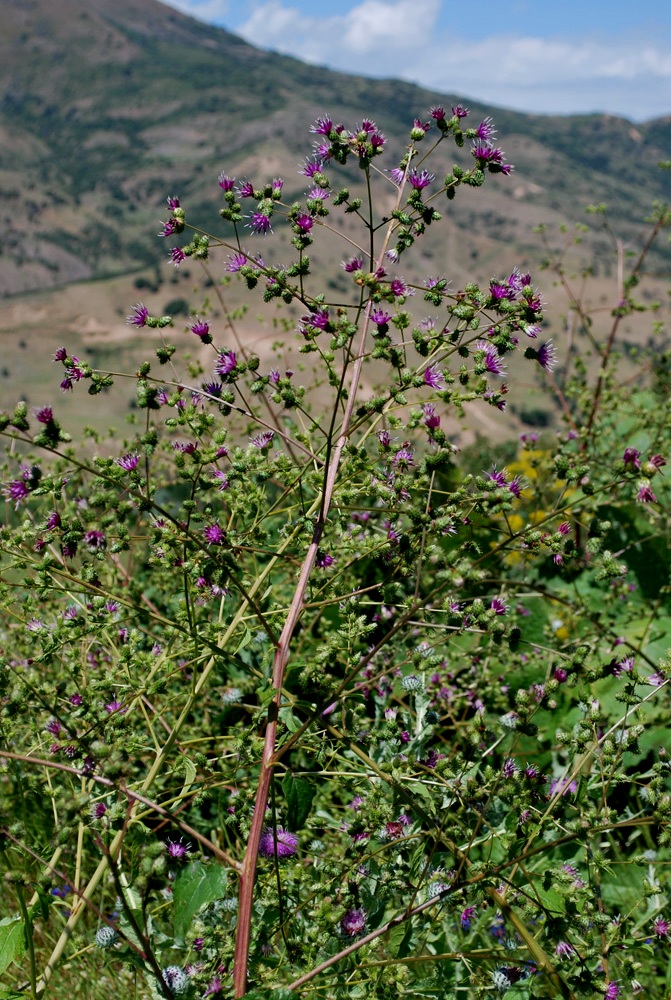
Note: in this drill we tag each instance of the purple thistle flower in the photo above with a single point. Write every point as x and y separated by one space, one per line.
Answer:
311 167
434 378
263 440
515 486
320 319
632 458
380 318
353 922
139 316
509 770
323 126
186 447
493 362
129 462
499 291
225 363
176 256
645 494
565 787
491 157
431 418
278 842
304 223
16 491
259 223
214 534
235 262
169 228
547 356
44 415
400 289
95 540
201 328
115 706
420 179
222 480
177 850
486 130
404 457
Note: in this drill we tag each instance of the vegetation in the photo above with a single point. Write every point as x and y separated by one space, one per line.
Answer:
297 700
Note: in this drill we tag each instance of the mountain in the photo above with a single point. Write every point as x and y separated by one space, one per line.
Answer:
108 108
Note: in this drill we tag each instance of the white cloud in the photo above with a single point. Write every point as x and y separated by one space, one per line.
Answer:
400 38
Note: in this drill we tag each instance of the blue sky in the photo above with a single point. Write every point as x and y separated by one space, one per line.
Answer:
531 55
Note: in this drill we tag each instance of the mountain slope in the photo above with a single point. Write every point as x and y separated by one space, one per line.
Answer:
106 109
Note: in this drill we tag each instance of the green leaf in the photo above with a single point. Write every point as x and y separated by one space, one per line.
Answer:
400 939
195 885
12 941
189 776
298 794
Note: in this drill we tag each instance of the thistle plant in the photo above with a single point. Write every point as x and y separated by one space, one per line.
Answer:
296 696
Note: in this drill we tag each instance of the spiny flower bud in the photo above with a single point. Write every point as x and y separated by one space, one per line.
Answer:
106 937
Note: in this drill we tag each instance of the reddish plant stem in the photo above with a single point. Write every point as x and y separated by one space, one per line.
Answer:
281 658
282 649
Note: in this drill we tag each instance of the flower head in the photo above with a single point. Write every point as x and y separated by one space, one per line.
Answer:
139 316
263 440
259 223
278 842
547 355
420 179
214 533
492 360
434 378
353 922
225 363
129 462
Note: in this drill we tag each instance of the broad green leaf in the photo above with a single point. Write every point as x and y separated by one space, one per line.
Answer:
298 794
195 885
12 941
189 775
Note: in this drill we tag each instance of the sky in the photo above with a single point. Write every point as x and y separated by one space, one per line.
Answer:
573 56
